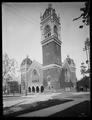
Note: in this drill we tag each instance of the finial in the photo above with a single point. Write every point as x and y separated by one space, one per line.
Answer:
67 56
40 14
59 15
27 56
49 5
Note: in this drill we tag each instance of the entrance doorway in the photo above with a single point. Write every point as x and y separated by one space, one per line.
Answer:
37 89
42 88
33 89
29 89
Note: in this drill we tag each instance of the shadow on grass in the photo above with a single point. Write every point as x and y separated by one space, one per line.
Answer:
79 110
37 106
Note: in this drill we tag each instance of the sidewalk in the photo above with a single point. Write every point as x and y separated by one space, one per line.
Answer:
52 110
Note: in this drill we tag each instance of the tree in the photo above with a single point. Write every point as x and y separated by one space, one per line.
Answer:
87 49
9 70
84 83
85 15
5 71
83 69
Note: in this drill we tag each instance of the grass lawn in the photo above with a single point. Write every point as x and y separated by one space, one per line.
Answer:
79 110
25 108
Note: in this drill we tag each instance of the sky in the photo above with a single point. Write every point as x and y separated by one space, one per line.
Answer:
21 34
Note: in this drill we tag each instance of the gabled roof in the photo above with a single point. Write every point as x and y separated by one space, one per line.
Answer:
72 72
65 65
69 63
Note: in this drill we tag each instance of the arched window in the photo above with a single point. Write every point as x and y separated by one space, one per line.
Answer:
48 78
35 76
34 72
56 30
67 76
47 29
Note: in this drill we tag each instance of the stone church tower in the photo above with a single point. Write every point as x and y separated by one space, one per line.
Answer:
53 75
51 48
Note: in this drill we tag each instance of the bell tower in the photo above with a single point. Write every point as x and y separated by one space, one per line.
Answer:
51 48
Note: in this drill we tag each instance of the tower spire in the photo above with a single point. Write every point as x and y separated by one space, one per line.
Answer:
50 5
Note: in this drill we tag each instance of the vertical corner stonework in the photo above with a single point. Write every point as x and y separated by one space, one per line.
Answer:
51 49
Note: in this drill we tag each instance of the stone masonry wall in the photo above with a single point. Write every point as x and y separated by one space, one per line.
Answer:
51 54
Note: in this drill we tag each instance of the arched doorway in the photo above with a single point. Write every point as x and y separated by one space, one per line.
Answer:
33 89
37 89
42 88
29 89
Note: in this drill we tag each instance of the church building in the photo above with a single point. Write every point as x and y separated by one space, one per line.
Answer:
52 74
68 75
31 77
